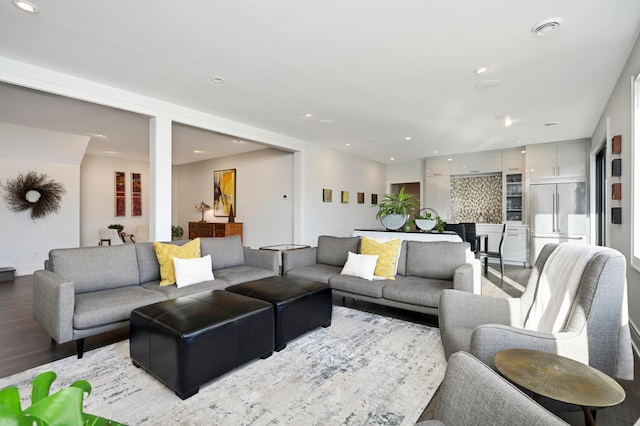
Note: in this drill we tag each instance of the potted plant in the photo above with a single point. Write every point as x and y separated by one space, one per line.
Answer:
394 209
176 232
428 220
62 408
117 227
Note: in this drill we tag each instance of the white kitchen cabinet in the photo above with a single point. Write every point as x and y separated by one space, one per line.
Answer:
436 167
557 160
513 161
476 163
437 195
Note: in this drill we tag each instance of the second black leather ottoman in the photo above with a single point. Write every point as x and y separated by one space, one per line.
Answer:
299 305
188 341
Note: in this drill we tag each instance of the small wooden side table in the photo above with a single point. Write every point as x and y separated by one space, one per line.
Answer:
560 378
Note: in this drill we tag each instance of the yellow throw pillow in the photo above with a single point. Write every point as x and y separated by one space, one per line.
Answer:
165 254
387 255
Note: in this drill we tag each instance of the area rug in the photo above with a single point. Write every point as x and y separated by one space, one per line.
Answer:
365 369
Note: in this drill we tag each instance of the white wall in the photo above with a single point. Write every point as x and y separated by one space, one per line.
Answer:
618 110
97 205
263 178
338 171
412 171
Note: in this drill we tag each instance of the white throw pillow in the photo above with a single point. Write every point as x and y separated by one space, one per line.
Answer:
360 265
192 271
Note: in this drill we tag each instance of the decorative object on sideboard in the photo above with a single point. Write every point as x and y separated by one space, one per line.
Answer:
394 209
136 194
120 194
428 220
616 144
35 192
616 215
224 192
231 218
326 195
616 191
202 206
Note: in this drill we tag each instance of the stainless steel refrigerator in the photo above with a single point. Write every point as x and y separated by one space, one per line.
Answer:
557 213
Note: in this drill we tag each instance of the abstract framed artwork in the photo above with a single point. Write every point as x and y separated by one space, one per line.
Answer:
345 197
327 195
374 199
120 194
360 197
136 194
224 192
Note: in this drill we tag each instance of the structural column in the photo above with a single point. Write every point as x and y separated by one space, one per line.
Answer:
160 188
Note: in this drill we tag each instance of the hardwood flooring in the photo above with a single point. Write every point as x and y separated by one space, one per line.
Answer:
24 344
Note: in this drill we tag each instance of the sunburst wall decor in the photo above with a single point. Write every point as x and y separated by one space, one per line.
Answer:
35 192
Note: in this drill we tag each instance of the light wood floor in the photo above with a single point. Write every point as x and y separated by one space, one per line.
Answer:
24 344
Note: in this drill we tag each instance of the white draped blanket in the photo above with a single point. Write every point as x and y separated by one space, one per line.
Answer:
364 369
557 287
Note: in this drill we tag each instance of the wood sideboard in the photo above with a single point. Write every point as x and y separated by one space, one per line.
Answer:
214 229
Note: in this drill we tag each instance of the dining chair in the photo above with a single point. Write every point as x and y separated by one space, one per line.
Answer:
458 228
486 254
471 236
110 237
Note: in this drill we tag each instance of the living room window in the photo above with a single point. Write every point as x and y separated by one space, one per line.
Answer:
635 175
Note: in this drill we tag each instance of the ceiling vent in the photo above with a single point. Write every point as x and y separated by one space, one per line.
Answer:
545 27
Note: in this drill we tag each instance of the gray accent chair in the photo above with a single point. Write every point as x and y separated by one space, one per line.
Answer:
91 290
474 395
596 331
424 270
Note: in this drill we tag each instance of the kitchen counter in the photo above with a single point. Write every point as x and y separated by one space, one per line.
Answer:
411 235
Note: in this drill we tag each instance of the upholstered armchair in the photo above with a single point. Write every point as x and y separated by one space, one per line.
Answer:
589 324
474 395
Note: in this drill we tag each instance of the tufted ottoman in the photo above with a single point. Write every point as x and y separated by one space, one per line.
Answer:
188 341
299 305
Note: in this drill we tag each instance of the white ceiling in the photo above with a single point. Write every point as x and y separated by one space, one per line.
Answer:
381 71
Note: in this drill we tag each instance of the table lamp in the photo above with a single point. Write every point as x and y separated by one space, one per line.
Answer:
202 206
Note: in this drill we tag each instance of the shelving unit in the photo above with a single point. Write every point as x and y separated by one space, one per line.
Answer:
513 198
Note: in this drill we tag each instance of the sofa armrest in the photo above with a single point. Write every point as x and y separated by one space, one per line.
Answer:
467 310
299 258
54 304
467 277
263 259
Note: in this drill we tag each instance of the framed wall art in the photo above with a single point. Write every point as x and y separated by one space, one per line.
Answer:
224 192
136 194
327 195
374 199
345 197
360 197
120 194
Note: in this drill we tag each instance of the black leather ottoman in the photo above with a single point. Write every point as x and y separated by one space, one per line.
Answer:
188 341
300 305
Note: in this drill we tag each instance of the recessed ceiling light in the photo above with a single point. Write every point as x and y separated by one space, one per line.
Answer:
308 115
481 70
551 124
449 159
197 151
218 80
26 6
391 158
109 152
523 152
237 141
508 121
488 83
98 135
435 151
546 27
408 138
347 144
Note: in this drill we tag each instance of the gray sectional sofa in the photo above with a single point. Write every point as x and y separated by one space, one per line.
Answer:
425 269
90 290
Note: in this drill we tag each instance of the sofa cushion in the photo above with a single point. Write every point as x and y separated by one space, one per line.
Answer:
318 272
172 291
192 271
241 274
435 259
334 250
99 308
416 291
387 250
360 265
148 265
225 252
96 268
166 253
358 285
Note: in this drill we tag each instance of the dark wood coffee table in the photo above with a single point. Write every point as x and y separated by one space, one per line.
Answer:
560 378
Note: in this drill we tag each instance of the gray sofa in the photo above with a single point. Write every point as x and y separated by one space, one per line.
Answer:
91 290
425 269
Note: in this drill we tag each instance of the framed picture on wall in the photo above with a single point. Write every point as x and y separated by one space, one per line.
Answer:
327 195
360 197
224 192
345 197
120 194
136 194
